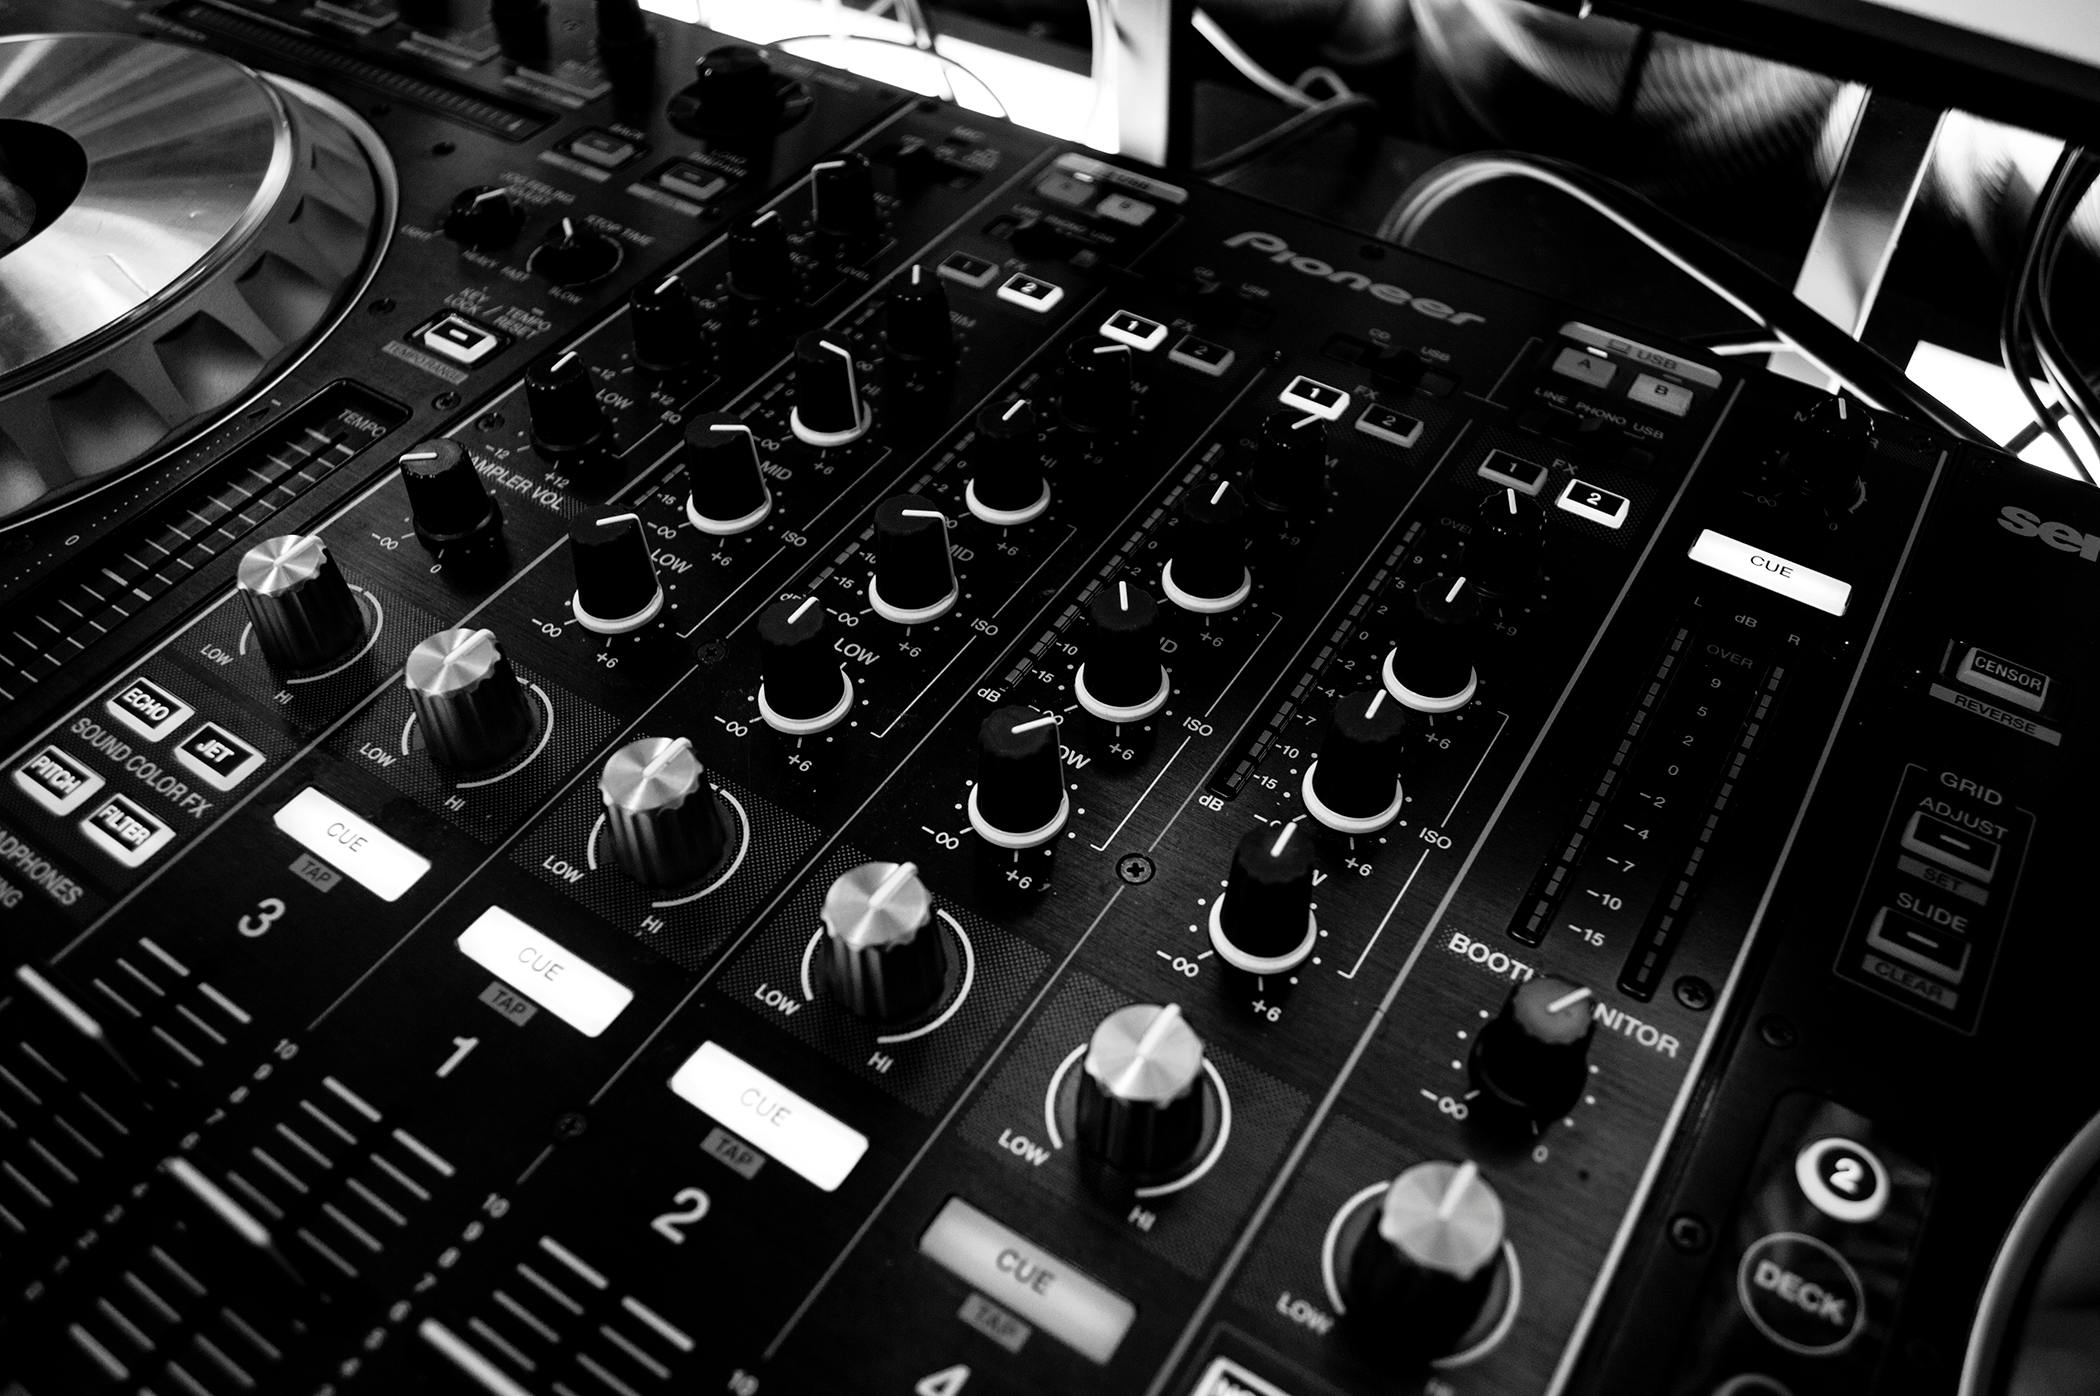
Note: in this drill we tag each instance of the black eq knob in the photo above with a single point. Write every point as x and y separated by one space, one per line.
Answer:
470 708
884 958
1207 573
1531 1061
1140 1102
1507 545
562 400
829 409
668 828
304 613
726 490
1096 394
1122 678
1007 486
802 688
450 506
842 194
616 586
1019 800
484 218
759 267
1264 922
1353 787
914 577
1290 462
574 255
665 321
1426 1275
1430 666
915 325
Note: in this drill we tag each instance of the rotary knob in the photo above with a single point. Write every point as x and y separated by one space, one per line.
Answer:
562 400
726 491
1532 1059
883 953
484 217
1430 666
449 505
1507 545
665 321
304 613
802 686
668 828
829 410
914 577
759 268
471 709
1007 486
1019 800
1122 679
1290 462
574 255
1353 787
1264 923
733 93
842 196
1207 573
1096 394
1427 1274
616 586
1819 472
521 30
1139 1108
915 325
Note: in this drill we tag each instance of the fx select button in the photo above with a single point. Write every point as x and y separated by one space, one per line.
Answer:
555 978
127 833
381 865
731 1091
57 781
148 709
219 758
1020 1275
1762 568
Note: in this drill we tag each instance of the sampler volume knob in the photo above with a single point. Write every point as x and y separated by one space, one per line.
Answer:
1290 462
829 410
1264 923
471 709
759 268
1532 1058
1430 667
447 501
1007 486
1019 800
802 688
1508 539
1096 395
616 586
574 255
484 217
915 325
842 192
1139 1107
1427 1275
667 827
1353 787
1122 679
914 578
883 953
1208 573
726 491
665 320
304 613
562 400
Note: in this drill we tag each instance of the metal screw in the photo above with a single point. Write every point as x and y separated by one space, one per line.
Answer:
489 421
711 652
383 306
1134 868
1695 993
1690 1234
569 1125
1777 1031
445 402
443 148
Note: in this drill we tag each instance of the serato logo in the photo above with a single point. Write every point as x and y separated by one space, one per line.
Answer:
2060 536
1279 252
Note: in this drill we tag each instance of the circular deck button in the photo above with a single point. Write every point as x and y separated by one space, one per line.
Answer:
1843 1179
1801 1294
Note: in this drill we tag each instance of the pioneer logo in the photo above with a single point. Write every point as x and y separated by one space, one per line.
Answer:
2060 536
1279 252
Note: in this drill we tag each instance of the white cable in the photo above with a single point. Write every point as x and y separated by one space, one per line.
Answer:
1249 69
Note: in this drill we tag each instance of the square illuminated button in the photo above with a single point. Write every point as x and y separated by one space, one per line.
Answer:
1126 327
348 841
1020 1275
148 709
1202 355
2003 679
1030 292
1584 367
1661 394
56 781
221 759
1382 423
548 973
1311 395
461 340
603 149
1934 949
125 831
691 181
1124 209
1763 568
974 272
1592 502
1502 468
735 1093
1951 846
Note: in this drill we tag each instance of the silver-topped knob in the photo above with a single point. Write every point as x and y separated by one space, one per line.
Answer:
1140 1104
471 709
1426 1275
883 955
668 829
304 613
